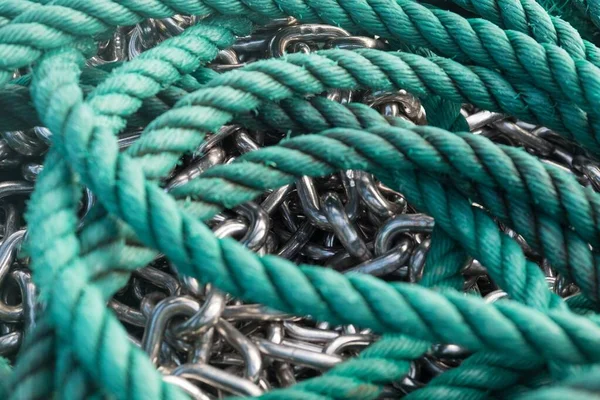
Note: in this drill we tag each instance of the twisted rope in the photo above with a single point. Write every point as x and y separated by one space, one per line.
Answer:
528 17
570 12
198 45
359 281
18 113
389 364
165 209
426 149
589 8
569 195
67 266
415 297
377 361
424 77
481 373
547 66
570 191
482 161
564 249
283 397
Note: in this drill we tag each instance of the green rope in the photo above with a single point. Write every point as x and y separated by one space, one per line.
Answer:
460 299
577 12
232 185
451 265
547 66
154 163
572 193
528 17
302 116
457 83
582 224
571 190
590 9
434 169
582 386
342 106
396 372
221 36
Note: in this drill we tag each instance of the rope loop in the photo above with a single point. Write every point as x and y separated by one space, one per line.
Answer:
517 213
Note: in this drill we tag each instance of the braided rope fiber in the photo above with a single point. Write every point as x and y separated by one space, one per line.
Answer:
450 35
515 58
444 32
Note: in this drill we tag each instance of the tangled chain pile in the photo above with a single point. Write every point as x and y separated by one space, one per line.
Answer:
316 199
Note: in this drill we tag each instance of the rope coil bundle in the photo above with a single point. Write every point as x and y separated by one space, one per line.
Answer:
519 196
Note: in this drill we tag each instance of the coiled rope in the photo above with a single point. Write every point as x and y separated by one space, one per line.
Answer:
439 172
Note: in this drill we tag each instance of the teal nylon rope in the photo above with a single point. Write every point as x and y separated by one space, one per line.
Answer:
470 368
571 193
530 171
528 17
375 114
446 33
67 196
406 17
154 163
461 84
577 12
397 373
589 8
146 57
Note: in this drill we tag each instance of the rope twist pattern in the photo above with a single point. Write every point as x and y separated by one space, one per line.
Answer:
544 74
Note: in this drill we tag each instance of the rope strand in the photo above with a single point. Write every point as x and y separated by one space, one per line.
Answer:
545 74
